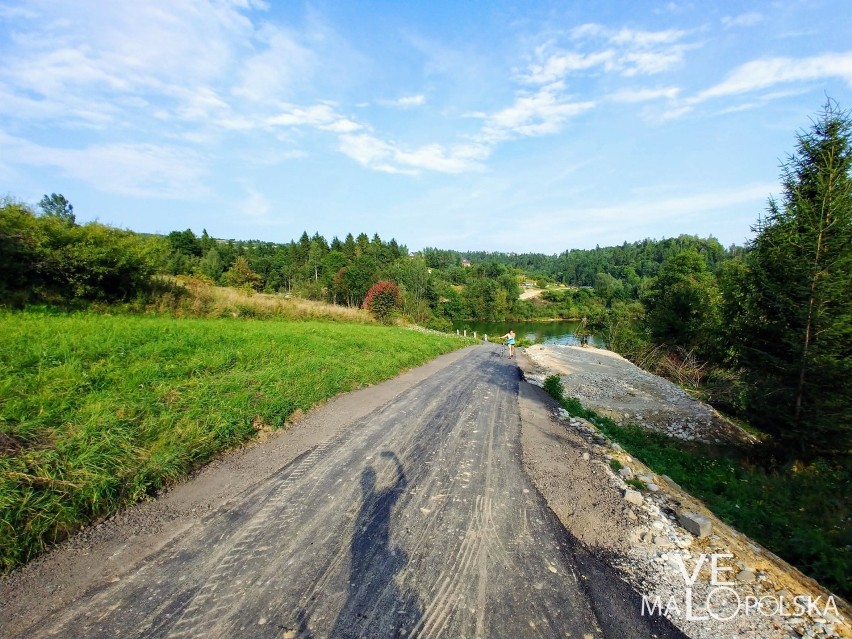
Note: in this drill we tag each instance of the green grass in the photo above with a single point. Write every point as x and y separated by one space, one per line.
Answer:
100 411
801 513
638 484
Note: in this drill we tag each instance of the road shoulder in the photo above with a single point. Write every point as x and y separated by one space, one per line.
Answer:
568 461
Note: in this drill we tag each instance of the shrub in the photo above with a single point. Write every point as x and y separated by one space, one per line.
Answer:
441 324
383 299
553 386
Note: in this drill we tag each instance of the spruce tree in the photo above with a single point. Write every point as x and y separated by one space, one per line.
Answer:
797 309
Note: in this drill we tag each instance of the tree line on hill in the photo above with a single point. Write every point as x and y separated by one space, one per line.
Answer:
768 326
47 258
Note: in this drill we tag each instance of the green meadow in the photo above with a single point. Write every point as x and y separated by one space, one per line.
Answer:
98 411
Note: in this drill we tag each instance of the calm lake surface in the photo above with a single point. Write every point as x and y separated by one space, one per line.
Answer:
536 332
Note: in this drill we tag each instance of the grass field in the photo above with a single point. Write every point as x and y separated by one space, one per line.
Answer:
100 411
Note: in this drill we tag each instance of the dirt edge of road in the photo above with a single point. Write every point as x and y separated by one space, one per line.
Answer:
103 552
568 461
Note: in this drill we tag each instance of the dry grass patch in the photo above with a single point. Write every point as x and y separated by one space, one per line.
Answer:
191 297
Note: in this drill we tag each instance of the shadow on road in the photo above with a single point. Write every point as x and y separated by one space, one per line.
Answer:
376 606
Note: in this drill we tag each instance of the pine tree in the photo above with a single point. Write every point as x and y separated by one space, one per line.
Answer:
797 340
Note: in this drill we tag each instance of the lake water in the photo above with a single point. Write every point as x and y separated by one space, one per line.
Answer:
537 332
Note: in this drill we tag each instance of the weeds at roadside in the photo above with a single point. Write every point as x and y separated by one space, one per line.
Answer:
801 513
638 484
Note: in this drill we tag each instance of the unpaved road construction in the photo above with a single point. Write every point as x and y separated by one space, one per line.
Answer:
398 511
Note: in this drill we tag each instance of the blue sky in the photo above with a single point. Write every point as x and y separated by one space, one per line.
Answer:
506 126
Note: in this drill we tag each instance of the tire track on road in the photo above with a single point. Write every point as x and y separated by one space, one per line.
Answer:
414 520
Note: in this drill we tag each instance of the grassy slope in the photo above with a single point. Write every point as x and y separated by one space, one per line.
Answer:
801 514
98 411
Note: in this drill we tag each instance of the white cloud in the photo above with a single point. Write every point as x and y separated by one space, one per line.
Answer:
189 62
377 154
742 20
143 170
646 39
648 63
291 115
125 45
254 205
628 52
534 114
672 113
588 30
268 74
406 102
556 66
768 72
365 149
644 95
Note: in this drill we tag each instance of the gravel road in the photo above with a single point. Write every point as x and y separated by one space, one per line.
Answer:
415 519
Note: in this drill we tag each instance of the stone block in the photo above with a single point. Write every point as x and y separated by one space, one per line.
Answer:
633 497
698 525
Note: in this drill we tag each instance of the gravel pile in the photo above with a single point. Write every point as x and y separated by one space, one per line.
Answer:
613 386
750 595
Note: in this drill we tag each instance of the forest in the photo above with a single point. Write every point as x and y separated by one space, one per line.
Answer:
764 331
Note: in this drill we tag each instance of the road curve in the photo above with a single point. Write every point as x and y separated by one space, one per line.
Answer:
414 521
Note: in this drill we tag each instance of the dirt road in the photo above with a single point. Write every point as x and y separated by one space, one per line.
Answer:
413 520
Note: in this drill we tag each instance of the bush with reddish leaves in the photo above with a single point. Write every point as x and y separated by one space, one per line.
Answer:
382 300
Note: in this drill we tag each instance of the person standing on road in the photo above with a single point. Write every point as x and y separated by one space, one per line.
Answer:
510 336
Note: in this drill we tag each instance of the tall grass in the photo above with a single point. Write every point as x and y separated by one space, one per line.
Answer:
801 513
99 411
191 297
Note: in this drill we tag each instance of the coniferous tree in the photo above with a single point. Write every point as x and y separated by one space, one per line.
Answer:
797 307
56 205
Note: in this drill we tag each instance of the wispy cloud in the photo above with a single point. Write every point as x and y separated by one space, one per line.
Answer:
277 64
627 52
108 52
742 20
254 205
540 113
143 170
644 95
406 102
380 155
321 116
768 72
757 77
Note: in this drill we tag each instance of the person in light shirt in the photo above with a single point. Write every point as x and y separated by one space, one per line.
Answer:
510 336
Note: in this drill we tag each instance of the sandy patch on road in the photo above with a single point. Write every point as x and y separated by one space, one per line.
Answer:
568 461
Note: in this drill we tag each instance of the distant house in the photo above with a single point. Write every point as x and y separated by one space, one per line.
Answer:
466 263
